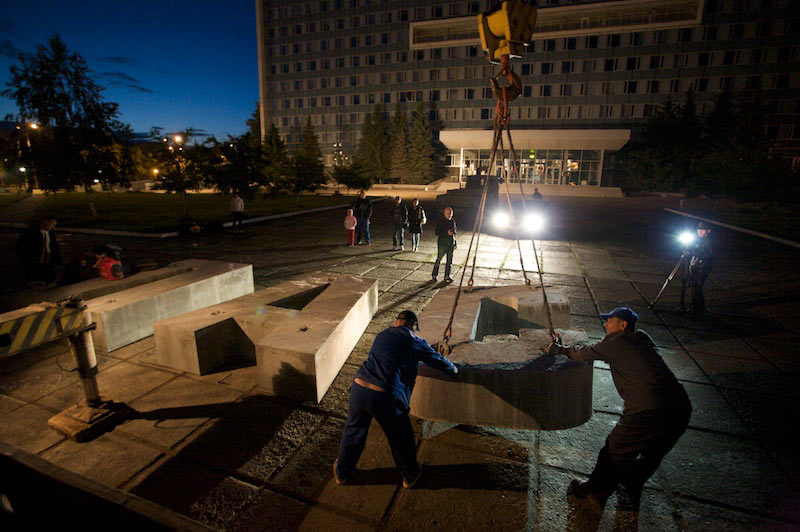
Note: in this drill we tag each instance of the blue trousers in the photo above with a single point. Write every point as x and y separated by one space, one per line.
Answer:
398 238
366 404
362 228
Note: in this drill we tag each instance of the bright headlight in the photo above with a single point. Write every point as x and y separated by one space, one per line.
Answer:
501 219
686 238
534 222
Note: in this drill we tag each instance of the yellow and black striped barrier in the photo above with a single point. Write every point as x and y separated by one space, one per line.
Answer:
35 325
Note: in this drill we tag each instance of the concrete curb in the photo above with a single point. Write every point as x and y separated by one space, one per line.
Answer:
170 234
737 228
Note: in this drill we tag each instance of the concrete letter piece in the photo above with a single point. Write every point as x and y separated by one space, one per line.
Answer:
509 383
299 333
128 315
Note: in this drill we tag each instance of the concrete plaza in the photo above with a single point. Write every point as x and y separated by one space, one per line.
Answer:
216 450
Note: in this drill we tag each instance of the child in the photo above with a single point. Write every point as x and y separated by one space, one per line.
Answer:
350 225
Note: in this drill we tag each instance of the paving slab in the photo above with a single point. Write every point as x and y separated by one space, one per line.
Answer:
109 459
26 427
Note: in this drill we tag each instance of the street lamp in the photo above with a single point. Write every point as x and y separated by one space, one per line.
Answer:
178 139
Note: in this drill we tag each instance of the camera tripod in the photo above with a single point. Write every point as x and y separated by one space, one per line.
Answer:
668 279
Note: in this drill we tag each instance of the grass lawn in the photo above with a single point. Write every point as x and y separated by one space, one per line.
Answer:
8 199
151 212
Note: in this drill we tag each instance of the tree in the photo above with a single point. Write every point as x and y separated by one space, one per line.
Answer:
254 125
276 172
420 147
399 172
80 136
373 153
181 166
239 164
350 176
308 170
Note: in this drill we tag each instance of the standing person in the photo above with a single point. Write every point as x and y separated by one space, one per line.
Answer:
350 224
400 220
697 268
655 414
39 252
446 243
237 211
382 390
418 219
363 211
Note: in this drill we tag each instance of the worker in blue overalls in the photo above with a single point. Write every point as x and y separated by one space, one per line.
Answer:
382 390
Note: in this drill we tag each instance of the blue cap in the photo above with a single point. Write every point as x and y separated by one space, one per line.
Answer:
623 313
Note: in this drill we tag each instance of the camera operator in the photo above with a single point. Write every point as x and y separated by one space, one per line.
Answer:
697 268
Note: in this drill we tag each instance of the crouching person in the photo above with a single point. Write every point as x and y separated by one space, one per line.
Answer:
655 414
382 390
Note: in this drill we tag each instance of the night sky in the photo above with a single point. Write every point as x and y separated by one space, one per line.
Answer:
172 64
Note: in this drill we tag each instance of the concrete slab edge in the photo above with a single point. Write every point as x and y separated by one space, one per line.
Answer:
737 228
142 507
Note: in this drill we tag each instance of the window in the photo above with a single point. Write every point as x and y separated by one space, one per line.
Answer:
656 61
544 112
660 37
636 39
484 114
680 60
675 85
753 83
764 28
340 62
356 99
653 86
353 42
726 83
338 43
434 75
434 96
630 87
648 110
472 51
387 97
356 61
757 55
591 41
296 48
710 33
469 94
704 59
701 85
567 67
384 38
605 88
404 15
437 11
566 89
606 111
526 69
353 81
549 45
298 103
685 35
632 63
474 7
323 46
730 57
612 41
526 91
609 65
340 24
784 54
547 68
419 55
569 43
370 59
737 31
298 85
545 90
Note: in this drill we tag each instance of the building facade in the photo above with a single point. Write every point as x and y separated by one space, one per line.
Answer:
592 76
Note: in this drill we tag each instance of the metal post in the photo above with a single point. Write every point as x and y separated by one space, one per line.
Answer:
669 278
82 347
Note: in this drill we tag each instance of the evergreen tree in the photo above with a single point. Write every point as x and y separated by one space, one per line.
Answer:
420 147
276 171
373 155
80 137
350 176
399 172
308 170
254 124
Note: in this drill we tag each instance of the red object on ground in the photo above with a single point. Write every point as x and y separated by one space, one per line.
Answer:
109 268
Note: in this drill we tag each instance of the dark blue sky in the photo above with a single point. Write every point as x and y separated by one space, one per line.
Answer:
168 63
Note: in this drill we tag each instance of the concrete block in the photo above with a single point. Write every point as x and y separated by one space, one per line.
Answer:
127 316
503 383
299 333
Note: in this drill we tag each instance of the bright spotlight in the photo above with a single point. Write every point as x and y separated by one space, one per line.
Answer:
686 238
501 220
534 222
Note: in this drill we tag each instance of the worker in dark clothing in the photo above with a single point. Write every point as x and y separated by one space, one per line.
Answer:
382 390
655 414
399 216
697 268
446 243
362 208
39 252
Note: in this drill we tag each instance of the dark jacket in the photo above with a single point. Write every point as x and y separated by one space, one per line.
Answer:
393 360
640 375
30 247
399 214
442 227
702 254
362 208
417 220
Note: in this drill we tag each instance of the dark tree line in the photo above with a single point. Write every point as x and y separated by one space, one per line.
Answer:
723 154
79 140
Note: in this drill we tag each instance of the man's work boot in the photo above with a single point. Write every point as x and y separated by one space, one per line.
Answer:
584 492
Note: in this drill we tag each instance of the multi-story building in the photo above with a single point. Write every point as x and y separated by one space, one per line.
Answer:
594 73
